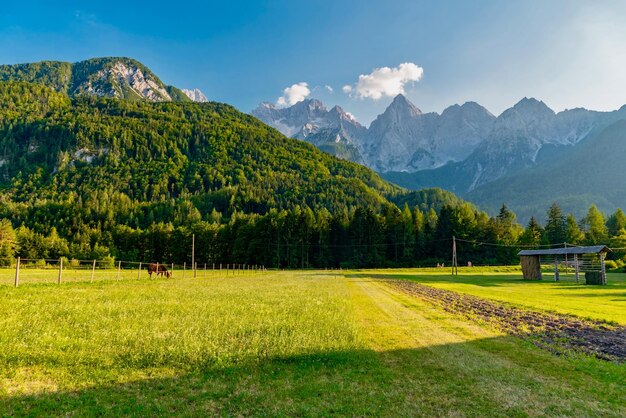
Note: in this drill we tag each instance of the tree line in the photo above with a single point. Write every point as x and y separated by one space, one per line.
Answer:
358 237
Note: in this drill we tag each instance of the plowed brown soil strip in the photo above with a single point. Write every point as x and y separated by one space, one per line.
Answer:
558 333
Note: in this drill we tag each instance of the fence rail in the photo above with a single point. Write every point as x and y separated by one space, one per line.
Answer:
21 271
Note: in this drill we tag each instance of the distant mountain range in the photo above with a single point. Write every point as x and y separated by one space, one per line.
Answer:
401 139
527 157
119 77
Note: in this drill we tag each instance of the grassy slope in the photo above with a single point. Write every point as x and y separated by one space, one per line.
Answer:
279 343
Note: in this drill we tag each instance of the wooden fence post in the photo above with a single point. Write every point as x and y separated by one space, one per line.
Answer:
60 270
603 268
17 272
93 270
184 268
205 270
172 275
139 272
119 267
576 267
556 268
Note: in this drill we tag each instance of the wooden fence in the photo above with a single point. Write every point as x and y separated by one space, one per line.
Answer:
19 270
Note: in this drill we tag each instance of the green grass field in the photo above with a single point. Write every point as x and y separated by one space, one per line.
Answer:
292 343
607 303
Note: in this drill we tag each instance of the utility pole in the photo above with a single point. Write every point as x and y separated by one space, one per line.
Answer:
455 267
193 254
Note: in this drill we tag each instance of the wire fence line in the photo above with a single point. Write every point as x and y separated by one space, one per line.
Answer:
17 271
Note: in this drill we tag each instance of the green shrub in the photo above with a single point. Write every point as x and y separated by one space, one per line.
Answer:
107 262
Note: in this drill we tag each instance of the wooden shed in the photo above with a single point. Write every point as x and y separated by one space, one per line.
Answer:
589 260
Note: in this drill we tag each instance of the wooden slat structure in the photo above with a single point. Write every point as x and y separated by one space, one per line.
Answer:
588 259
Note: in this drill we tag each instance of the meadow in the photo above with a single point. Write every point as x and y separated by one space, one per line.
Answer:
304 343
505 284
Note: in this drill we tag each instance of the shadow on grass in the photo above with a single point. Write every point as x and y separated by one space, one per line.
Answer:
467 378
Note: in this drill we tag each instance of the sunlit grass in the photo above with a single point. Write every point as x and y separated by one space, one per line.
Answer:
277 343
167 325
607 303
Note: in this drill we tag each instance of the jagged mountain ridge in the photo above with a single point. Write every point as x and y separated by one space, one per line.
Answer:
405 137
118 77
520 137
334 130
401 139
474 154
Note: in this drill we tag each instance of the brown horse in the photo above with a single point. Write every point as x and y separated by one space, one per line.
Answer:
159 269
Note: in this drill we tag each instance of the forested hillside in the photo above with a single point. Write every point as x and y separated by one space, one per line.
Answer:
101 172
89 177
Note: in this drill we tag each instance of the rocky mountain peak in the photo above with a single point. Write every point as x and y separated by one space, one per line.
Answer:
195 95
402 105
338 112
312 105
119 77
467 109
532 107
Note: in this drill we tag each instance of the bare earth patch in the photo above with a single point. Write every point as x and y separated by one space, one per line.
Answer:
556 332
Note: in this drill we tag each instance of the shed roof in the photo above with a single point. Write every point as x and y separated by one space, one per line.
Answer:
594 249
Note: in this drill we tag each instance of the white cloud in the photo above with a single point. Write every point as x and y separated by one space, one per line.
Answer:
294 94
385 81
329 88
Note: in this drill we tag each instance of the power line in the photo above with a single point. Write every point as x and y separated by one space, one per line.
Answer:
493 244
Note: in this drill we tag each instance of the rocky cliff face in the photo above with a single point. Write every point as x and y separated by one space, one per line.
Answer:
333 131
405 139
122 78
195 95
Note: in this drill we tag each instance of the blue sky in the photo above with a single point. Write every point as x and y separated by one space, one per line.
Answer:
568 53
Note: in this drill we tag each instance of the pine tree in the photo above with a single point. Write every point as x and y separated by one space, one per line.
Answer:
596 230
616 222
573 233
555 225
7 242
532 235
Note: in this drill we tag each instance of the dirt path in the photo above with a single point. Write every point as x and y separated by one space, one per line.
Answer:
558 333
